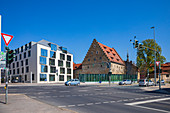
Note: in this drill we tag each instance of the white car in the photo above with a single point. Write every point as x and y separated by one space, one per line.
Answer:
125 82
144 82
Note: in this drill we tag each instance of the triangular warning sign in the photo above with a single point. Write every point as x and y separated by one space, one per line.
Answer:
7 38
157 63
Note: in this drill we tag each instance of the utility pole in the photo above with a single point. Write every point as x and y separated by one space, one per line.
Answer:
159 76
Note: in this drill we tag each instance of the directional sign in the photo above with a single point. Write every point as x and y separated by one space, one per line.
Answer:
157 63
7 38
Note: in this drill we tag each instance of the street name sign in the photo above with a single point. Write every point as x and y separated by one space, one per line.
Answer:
7 38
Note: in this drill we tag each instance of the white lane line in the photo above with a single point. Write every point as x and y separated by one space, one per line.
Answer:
80 104
119 101
64 91
164 102
55 96
147 101
105 102
152 109
61 106
82 90
98 89
71 105
98 103
48 96
89 104
112 101
61 96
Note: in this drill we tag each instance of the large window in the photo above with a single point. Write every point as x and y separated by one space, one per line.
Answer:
62 56
29 53
52 54
67 64
51 77
23 70
43 77
43 60
52 69
15 58
27 69
68 71
13 65
18 71
17 64
53 47
20 56
62 70
14 71
30 45
26 62
25 55
21 63
51 61
44 52
68 78
68 58
61 77
60 63
44 68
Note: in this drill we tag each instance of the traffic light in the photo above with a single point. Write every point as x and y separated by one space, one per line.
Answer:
140 46
9 56
136 43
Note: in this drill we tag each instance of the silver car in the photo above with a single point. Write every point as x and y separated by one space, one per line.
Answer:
125 82
144 82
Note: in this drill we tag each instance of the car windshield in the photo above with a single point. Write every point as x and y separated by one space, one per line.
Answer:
141 81
124 80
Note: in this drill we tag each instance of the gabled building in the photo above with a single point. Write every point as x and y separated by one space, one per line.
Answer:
100 59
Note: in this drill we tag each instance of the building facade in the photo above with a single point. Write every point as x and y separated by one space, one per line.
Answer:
41 62
77 69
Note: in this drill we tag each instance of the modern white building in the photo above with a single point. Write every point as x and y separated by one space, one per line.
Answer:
41 62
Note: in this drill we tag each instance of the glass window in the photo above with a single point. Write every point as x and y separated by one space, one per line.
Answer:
20 56
62 70
53 47
43 60
22 49
68 58
68 71
62 56
27 69
51 77
21 63
44 68
43 77
52 69
68 78
25 55
25 47
17 64
26 62
44 52
32 76
52 54
61 77
88 59
15 58
30 45
13 65
67 64
18 71
23 70
51 61
167 75
29 53
60 63
14 71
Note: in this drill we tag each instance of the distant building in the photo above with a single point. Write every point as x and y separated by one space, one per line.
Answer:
41 62
77 68
100 59
166 72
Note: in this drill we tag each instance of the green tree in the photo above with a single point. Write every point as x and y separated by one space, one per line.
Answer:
145 56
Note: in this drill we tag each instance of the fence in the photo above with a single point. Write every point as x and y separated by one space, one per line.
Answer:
105 77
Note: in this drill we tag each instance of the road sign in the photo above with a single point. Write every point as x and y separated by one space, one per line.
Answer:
7 38
157 63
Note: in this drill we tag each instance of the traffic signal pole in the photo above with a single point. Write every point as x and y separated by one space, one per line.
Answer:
6 83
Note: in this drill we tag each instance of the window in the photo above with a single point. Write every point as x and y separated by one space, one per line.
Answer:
61 77
68 71
27 69
62 70
92 52
68 58
9 66
53 47
20 56
60 63
51 61
43 60
94 46
68 78
25 55
94 59
44 52
32 76
62 56
26 62
114 54
14 71
25 47
30 45
17 64
21 63
15 58
167 75
9 71
97 52
51 77
22 49
23 70
52 69
112 58
88 59
25 77
117 59
52 54
29 53
44 68
100 57
18 71
13 65
43 77
104 47
67 64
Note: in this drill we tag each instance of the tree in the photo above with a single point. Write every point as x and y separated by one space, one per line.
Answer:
145 56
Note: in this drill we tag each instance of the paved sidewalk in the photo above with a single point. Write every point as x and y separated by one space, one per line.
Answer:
19 103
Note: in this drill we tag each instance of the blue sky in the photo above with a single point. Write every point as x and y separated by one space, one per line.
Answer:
75 23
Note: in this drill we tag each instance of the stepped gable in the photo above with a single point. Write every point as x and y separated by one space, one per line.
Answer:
111 53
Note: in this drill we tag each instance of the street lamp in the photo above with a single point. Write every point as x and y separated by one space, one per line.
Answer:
154 55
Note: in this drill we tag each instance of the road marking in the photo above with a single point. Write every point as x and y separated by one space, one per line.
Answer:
152 109
80 104
125 100
80 95
98 103
71 105
105 102
98 89
147 101
64 91
119 101
164 102
61 96
89 104
61 106
48 96
82 90
112 101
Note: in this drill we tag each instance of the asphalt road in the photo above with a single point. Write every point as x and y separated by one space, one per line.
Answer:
98 99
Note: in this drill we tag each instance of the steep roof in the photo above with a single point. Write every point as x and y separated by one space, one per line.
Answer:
111 53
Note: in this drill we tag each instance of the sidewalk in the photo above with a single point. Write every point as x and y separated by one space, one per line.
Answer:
19 103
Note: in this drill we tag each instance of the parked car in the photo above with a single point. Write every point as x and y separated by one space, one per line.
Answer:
144 82
125 82
162 82
72 82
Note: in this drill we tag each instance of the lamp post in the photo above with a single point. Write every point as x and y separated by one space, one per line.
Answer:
155 54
